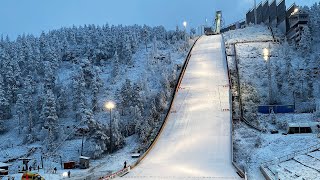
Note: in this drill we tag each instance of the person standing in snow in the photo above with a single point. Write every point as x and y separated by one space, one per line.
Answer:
69 174
124 164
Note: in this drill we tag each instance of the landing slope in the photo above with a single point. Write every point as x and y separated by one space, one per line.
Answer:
196 140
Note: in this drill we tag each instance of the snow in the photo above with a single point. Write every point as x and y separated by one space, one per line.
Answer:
251 33
253 148
98 168
315 154
196 141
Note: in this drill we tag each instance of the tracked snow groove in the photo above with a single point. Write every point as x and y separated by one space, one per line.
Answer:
196 140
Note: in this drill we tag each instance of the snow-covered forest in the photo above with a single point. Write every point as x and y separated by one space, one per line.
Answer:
294 80
53 89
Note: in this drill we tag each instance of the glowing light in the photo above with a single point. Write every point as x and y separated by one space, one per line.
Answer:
296 10
185 24
266 54
65 174
109 105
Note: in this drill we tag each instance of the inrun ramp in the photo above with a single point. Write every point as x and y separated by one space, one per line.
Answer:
196 140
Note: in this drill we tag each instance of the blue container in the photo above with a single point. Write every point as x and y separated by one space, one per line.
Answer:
266 109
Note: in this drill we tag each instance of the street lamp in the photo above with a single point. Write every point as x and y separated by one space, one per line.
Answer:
266 53
110 105
185 30
185 24
266 57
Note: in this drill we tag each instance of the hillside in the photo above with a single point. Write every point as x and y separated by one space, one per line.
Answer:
293 81
53 89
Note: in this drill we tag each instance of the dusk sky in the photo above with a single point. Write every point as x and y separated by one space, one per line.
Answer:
34 16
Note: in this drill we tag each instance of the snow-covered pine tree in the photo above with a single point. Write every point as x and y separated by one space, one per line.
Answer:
28 91
117 137
50 119
305 42
20 110
145 36
79 101
125 51
97 141
62 99
137 120
137 99
5 112
155 47
88 73
125 95
116 69
49 79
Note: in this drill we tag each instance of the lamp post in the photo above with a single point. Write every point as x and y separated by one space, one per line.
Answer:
185 29
110 105
266 57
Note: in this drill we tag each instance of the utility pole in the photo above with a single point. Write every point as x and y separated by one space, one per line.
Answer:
255 12
110 105
269 77
110 130
82 142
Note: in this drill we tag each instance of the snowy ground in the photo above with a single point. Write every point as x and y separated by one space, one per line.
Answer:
98 168
252 148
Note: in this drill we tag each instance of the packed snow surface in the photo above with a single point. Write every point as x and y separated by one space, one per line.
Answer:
196 140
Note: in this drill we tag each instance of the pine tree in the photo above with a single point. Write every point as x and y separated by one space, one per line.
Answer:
305 41
5 112
116 69
145 35
20 110
98 141
137 119
117 137
28 97
50 118
125 95
79 101
62 100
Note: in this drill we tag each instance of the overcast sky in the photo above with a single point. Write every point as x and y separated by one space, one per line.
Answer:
34 16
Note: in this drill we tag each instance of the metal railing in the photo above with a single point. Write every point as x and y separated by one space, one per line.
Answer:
291 155
241 172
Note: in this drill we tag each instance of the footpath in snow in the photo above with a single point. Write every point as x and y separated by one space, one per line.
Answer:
196 141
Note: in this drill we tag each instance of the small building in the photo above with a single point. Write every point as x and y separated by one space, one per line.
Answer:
69 165
298 128
84 162
4 168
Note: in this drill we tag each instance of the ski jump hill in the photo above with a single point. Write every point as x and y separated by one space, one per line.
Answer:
195 141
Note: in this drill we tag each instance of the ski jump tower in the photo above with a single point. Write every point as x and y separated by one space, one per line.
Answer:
217 25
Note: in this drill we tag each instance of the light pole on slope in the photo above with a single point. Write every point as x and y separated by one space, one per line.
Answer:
266 57
110 105
185 29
